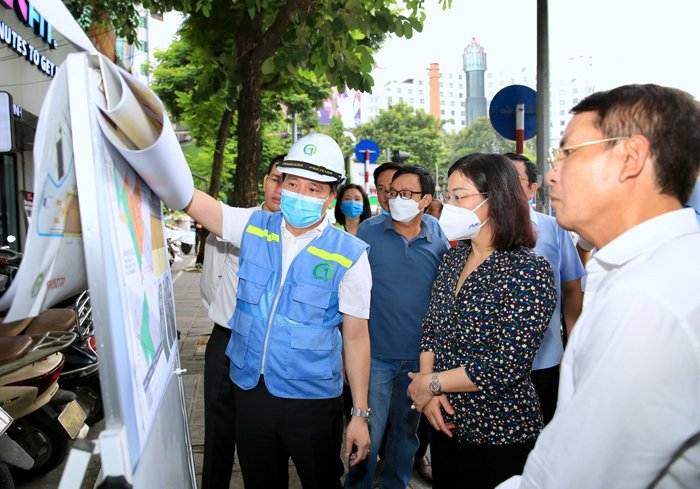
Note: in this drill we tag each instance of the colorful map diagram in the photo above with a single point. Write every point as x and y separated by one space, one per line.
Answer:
142 261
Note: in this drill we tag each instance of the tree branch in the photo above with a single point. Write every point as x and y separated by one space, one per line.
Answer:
270 39
266 86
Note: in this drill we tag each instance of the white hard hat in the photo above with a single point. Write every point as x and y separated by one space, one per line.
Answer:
316 157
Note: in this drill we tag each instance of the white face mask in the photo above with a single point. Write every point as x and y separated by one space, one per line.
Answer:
459 223
403 210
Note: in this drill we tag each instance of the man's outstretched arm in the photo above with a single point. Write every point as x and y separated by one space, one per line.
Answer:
207 211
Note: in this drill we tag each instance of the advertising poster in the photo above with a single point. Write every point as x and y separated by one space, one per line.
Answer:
53 267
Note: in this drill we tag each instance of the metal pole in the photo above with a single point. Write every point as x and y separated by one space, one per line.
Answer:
367 171
519 128
295 133
543 139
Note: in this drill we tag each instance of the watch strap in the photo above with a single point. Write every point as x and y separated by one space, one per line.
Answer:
435 384
360 413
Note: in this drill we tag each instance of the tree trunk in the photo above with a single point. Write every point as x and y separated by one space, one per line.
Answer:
249 134
256 47
218 164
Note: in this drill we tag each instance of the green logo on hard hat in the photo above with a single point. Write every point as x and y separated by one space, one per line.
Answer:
37 285
323 271
309 149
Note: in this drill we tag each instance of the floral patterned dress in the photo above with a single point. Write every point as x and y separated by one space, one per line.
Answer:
492 328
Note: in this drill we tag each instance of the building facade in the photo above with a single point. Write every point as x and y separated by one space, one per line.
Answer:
31 51
474 66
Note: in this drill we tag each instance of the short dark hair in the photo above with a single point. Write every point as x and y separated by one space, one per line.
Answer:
427 184
384 167
366 213
530 167
275 160
496 176
669 118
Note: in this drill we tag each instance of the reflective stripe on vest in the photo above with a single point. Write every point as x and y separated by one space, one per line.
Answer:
330 256
263 233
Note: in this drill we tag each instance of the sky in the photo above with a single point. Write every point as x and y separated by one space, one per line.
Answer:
628 41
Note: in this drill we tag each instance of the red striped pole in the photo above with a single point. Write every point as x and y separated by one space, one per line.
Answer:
519 128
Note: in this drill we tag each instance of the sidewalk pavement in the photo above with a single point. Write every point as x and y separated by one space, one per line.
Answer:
195 327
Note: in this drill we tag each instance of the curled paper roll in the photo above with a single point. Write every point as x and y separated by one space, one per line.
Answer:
135 121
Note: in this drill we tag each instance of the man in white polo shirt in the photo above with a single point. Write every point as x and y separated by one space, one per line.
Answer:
218 285
628 414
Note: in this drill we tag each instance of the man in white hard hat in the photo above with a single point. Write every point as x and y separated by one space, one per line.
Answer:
298 279
218 285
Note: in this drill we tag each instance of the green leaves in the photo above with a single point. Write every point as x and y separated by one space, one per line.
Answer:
269 65
401 128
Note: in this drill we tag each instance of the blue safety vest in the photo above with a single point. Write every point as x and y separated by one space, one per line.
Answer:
289 331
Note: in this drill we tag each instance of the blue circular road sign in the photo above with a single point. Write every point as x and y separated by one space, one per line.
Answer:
502 111
362 146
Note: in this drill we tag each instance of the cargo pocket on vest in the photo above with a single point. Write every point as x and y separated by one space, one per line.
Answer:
310 355
240 335
309 304
252 281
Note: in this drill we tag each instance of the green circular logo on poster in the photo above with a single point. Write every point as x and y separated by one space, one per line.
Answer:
37 285
309 149
323 271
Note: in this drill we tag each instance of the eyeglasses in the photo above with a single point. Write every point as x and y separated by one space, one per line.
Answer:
456 199
404 194
556 155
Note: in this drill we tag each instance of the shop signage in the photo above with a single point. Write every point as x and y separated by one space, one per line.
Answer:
31 18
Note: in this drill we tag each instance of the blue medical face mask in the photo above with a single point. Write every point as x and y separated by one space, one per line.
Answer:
383 212
352 208
299 210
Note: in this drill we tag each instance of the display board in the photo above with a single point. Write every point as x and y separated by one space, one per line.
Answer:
132 299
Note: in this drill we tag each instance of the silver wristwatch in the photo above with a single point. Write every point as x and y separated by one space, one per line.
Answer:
360 413
435 384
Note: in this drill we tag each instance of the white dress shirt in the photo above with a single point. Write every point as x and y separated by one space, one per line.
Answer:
219 282
628 414
356 285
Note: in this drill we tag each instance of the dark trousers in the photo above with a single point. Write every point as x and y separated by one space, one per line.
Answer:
546 382
219 413
463 465
271 429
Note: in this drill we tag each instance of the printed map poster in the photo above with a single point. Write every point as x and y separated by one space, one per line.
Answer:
53 266
145 286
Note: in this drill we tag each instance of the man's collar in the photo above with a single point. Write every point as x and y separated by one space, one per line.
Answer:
315 232
654 232
533 216
388 223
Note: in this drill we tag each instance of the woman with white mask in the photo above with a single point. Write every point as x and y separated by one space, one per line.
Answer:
491 304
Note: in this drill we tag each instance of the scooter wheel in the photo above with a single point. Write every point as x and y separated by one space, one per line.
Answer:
90 399
44 443
186 248
6 481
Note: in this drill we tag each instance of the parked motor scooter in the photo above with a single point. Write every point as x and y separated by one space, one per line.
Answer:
81 368
46 418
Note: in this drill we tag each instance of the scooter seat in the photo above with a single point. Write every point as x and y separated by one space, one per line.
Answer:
15 327
52 320
13 348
